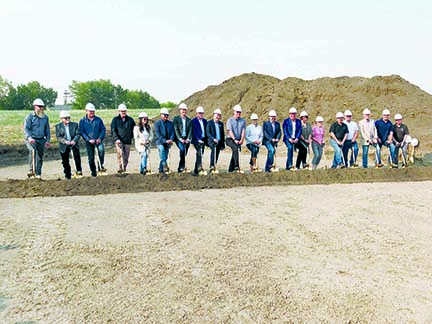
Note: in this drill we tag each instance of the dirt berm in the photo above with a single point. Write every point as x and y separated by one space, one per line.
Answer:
258 93
132 183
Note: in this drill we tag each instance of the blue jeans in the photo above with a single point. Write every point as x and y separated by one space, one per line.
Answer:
337 158
270 156
365 153
183 148
354 152
144 157
163 156
396 154
379 149
91 156
254 149
317 150
290 154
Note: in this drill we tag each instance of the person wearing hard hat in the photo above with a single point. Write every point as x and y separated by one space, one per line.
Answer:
183 135
385 137
143 135
122 127
304 141
236 129
93 132
254 136
37 135
400 134
271 137
338 135
292 131
368 136
199 139
215 138
318 143
351 142
164 135
68 135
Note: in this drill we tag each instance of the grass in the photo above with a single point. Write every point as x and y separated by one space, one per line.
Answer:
12 121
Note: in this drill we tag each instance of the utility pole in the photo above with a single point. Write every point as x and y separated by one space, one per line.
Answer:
66 94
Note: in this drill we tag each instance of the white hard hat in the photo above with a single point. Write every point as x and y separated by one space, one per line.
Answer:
122 107
183 106
217 111
38 102
304 114
90 107
386 112
348 113
200 110
366 111
292 110
64 114
237 108
339 115
272 113
319 119
254 116
414 142
164 111
398 117
143 115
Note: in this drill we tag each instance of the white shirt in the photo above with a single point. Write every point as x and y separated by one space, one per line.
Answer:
294 128
254 133
352 128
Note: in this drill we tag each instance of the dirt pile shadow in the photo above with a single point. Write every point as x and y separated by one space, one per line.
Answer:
133 183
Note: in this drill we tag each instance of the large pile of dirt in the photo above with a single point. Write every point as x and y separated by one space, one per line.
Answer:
259 94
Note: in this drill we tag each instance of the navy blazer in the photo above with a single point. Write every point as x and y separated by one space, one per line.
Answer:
211 133
74 132
268 132
163 131
287 129
197 134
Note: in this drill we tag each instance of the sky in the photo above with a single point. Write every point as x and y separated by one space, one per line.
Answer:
172 49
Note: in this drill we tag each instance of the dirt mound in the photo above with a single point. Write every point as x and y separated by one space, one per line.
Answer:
259 94
130 183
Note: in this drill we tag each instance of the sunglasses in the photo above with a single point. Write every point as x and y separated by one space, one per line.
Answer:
40 106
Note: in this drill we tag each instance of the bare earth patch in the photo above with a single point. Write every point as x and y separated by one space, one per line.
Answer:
357 253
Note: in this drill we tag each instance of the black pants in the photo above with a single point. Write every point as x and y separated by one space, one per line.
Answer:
234 163
183 150
65 161
301 156
199 153
214 154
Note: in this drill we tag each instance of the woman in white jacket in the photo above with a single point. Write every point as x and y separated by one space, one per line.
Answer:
143 135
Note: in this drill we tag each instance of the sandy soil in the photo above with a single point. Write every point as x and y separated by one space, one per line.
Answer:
356 253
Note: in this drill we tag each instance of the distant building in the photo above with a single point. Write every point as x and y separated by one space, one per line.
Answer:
61 107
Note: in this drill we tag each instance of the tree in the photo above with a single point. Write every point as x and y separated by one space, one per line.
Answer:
168 104
5 88
21 97
105 95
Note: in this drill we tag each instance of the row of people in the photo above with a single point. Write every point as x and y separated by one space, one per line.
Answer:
299 135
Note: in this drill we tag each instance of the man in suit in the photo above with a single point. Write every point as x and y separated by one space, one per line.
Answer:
272 136
215 138
164 138
183 135
199 124
292 130
68 135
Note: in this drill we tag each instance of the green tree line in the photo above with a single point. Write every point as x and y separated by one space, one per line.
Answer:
102 93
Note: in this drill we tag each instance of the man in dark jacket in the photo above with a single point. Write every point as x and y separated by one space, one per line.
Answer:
183 135
272 135
164 138
93 131
215 138
68 135
122 131
292 130
199 124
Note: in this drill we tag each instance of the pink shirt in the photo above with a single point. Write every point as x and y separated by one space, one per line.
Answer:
318 134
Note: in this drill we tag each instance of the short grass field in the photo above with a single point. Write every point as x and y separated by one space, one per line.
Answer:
12 122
